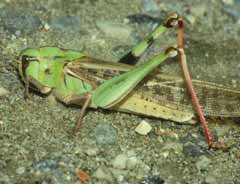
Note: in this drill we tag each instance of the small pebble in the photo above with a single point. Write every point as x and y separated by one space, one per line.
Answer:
191 19
132 162
237 155
66 23
228 2
203 163
192 149
152 180
46 27
115 30
221 131
91 151
175 147
20 170
60 170
234 12
19 20
46 165
199 10
2 5
120 161
4 178
3 91
105 134
143 128
52 101
119 175
150 7
211 180
103 174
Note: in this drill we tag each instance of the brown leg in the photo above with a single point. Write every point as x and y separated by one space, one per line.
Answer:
83 100
188 82
82 113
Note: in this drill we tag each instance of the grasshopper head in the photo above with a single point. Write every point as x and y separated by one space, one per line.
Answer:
43 67
25 58
35 70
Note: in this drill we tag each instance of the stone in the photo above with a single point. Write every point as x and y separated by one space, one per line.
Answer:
3 91
105 134
103 173
115 30
22 20
175 147
143 128
66 23
228 2
92 151
221 131
152 180
203 163
192 149
132 162
20 170
211 180
120 161
151 8
119 175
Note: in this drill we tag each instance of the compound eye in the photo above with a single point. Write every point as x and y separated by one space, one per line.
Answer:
26 58
24 62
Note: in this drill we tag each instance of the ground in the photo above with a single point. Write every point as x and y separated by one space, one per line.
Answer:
37 144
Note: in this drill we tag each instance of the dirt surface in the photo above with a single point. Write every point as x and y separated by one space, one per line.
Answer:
36 141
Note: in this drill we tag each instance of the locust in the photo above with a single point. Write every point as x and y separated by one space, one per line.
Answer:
76 78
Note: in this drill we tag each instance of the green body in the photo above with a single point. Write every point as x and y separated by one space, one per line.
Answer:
49 67
66 72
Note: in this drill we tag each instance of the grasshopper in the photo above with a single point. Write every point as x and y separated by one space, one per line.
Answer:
75 78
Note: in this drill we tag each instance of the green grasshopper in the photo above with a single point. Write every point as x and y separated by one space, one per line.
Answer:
74 78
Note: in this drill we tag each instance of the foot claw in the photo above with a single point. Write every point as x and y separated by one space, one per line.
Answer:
219 146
